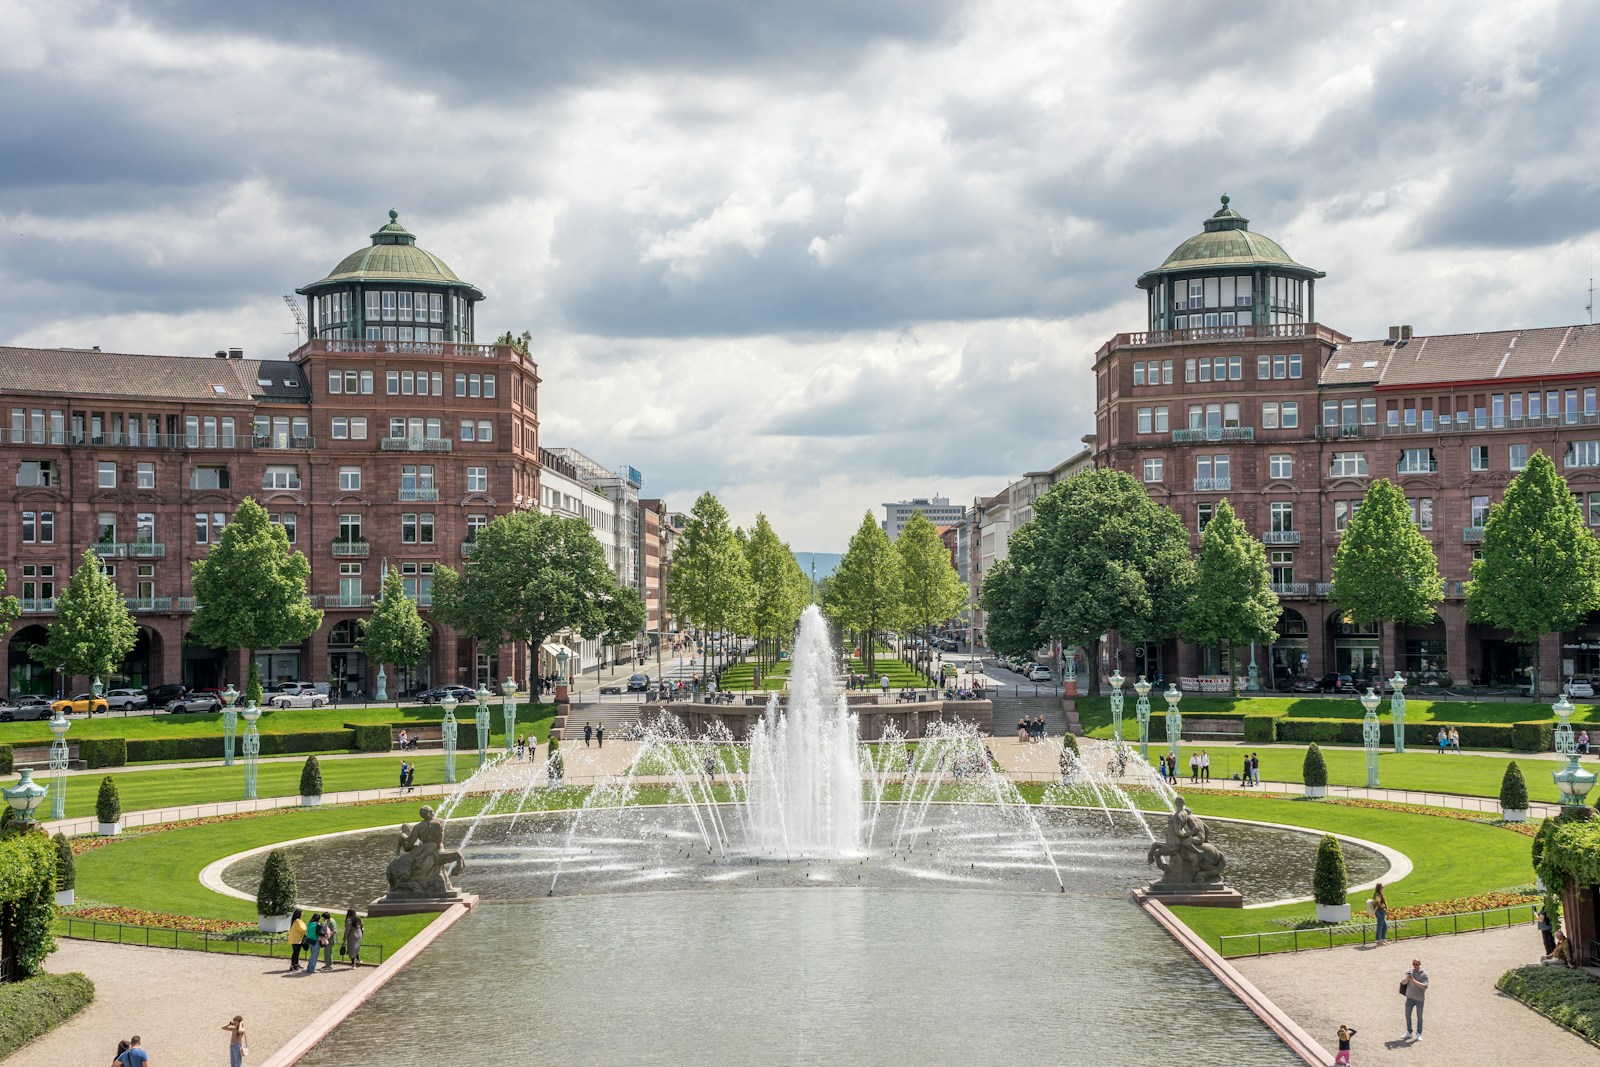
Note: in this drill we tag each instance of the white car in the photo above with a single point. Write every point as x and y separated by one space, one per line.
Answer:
125 699
1039 673
297 700
1580 687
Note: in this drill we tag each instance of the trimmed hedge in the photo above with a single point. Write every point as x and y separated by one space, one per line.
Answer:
372 736
5 759
1532 736
31 1008
1261 729
156 749
1420 735
1330 883
103 751
1568 997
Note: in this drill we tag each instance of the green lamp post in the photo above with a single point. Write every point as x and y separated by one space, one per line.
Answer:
508 710
24 797
1572 781
1397 710
1142 711
58 764
1174 721
447 736
1116 681
1371 731
252 749
483 723
230 723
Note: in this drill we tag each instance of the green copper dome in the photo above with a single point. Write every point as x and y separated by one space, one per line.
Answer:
392 257
1226 243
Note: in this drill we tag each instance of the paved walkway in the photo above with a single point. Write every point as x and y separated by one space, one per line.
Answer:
1468 1021
177 1003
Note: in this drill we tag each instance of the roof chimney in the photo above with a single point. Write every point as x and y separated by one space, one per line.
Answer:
1394 333
1405 333
238 353
222 353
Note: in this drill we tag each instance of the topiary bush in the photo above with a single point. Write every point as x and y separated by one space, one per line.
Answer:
1069 741
252 688
1331 882
1315 768
311 778
66 869
108 805
1513 789
277 892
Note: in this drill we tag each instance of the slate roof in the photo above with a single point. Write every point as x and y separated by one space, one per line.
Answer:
392 257
1466 357
81 372
1227 241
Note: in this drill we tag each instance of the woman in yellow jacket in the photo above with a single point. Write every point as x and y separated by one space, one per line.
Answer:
297 939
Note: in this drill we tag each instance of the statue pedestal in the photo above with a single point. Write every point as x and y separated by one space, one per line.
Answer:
1200 895
389 905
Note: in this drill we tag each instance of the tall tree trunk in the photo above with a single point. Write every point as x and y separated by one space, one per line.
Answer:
1094 667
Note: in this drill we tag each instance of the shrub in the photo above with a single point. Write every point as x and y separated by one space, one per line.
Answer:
66 870
558 765
252 688
1314 770
1568 997
372 736
38 1005
108 805
1513 789
311 778
1261 729
1069 741
165 749
27 893
1533 736
1331 883
103 751
277 892
5 759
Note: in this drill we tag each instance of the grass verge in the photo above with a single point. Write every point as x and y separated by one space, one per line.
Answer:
36 1006
1565 996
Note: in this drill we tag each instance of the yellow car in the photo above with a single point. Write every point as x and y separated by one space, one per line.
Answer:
80 703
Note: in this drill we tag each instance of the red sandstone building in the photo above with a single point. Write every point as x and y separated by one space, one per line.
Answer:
387 440
1236 392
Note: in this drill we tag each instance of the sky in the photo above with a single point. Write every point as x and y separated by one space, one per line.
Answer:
810 257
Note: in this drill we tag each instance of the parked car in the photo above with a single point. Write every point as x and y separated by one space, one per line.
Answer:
124 699
638 683
1304 684
613 689
312 699
1336 683
194 703
83 702
293 688
460 692
25 708
1580 687
1040 673
162 695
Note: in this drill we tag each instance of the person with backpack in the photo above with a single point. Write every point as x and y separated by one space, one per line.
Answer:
327 931
312 943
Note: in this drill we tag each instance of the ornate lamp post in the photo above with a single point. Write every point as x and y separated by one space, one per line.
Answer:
1116 681
1397 710
382 693
448 737
97 689
1069 656
483 724
1572 780
508 709
1370 732
25 796
252 748
1142 710
1174 721
230 723
561 666
58 765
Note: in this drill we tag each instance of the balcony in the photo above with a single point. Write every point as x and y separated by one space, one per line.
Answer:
1223 333
468 548
413 495
70 439
110 549
1214 433
352 549
184 604
1281 537
1324 588
39 606
416 444
346 600
147 550
277 441
1455 590
148 603
455 349
1213 485
1472 535
1347 430
1292 588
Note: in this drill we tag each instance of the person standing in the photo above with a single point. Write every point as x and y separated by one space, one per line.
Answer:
883 683
313 946
1194 768
588 732
354 928
1545 933
136 1056
1415 984
1380 912
1345 1034
1255 769
327 931
297 939
1205 766
237 1048
600 735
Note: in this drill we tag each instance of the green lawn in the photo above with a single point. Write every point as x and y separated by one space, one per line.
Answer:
1095 712
738 678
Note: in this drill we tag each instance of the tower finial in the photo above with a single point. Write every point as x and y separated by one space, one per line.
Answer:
395 215
1224 201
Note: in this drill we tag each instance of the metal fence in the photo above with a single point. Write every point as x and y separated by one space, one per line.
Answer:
238 944
1267 942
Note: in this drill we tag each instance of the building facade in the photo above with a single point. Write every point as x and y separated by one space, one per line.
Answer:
938 510
387 440
1289 420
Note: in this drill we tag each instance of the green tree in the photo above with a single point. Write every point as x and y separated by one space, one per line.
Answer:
10 610
1232 602
93 631
1540 571
250 589
1013 598
1384 570
867 591
521 342
709 587
1104 557
776 597
532 576
395 634
931 591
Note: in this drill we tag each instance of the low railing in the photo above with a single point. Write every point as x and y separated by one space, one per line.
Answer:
39 606
1226 333
274 441
1348 429
420 493
184 604
343 600
1291 588
416 444
1233 946
1213 485
1214 433
468 548
355 549
1281 537
148 603
408 348
1324 588
147 550
1472 535
69 439
238 944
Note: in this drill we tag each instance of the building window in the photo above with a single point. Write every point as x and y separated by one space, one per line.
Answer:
1480 457
1203 514
1593 510
38 581
1152 470
335 382
1517 455
1282 517
1479 515
416 529
1280 465
1282 568
475 525
349 479
106 474
1348 465
1583 454
37 472
38 527
209 478
146 476
1285 413
1417 461
417 580
477 479
413 478
144 528
1151 420
1343 512
1211 473
280 477
1269 415
290 524
350 428
1422 512
1188 370
350 529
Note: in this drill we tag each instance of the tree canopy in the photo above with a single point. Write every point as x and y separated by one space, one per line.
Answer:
779 591
1232 602
395 634
250 589
1384 570
1013 599
709 585
10 609
92 632
930 589
866 591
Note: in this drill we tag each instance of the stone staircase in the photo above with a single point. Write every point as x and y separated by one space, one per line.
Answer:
1011 707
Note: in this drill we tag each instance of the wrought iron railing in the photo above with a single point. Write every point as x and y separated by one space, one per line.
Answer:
352 548
1266 942
1214 433
239 944
416 444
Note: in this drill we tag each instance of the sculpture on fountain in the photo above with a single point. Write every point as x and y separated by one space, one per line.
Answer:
419 873
1191 866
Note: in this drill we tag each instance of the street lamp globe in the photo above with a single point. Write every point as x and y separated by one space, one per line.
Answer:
1370 700
1572 781
98 688
24 797
230 696
1142 687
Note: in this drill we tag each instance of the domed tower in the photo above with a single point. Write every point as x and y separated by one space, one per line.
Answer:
391 291
1227 276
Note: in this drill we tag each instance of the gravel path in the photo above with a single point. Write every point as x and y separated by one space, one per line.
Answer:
1468 1021
177 1002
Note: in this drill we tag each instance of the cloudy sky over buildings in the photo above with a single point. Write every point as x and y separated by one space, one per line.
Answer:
809 256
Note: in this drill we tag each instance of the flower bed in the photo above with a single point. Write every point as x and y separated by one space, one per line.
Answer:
138 917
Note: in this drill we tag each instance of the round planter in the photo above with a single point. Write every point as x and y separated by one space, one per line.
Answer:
273 924
65 897
311 802
1333 913
109 829
1514 814
1316 792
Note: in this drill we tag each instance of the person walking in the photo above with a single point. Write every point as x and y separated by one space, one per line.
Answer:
600 735
1455 740
312 945
1380 911
297 939
883 683
1255 769
588 732
135 1056
1194 768
1415 986
1205 766
1343 1056
327 932
354 929
237 1046
1444 740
